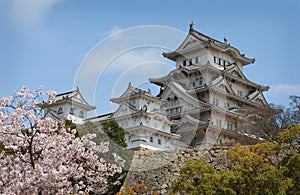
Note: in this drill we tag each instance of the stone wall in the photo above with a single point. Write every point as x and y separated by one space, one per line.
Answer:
160 169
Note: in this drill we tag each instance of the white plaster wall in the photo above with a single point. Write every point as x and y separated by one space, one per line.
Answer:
236 87
216 118
202 54
129 138
218 55
139 103
188 107
66 109
209 77
195 81
154 123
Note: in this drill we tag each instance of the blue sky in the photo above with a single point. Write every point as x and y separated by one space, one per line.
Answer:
49 42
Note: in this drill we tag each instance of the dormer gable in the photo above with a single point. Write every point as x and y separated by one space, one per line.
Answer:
190 42
222 84
125 109
133 93
73 98
236 71
258 98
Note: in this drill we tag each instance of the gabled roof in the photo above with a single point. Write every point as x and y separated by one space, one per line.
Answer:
232 72
132 92
133 111
245 81
235 71
197 40
73 97
181 92
233 96
130 110
163 81
52 114
258 97
221 81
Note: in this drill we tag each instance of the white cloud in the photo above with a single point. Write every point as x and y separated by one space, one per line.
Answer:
30 12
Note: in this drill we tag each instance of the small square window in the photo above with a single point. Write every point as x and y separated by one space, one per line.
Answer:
151 139
159 141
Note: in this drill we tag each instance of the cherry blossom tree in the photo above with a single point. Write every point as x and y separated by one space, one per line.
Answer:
41 156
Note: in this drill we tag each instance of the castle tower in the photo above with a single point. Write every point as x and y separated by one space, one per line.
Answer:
142 117
69 105
208 91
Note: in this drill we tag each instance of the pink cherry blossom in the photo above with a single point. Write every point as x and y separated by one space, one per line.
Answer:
42 157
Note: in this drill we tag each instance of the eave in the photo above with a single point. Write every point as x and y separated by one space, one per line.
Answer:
100 118
70 101
163 81
233 96
137 95
208 42
151 131
246 82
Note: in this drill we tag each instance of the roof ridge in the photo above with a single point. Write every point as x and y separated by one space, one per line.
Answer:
65 93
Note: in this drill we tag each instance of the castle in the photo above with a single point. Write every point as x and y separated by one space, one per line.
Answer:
201 103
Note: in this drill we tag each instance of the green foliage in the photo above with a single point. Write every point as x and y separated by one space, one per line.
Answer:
1 147
114 147
291 135
197 177
69 125
290 139
265 168
115 132
292 165
256 174
6 151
